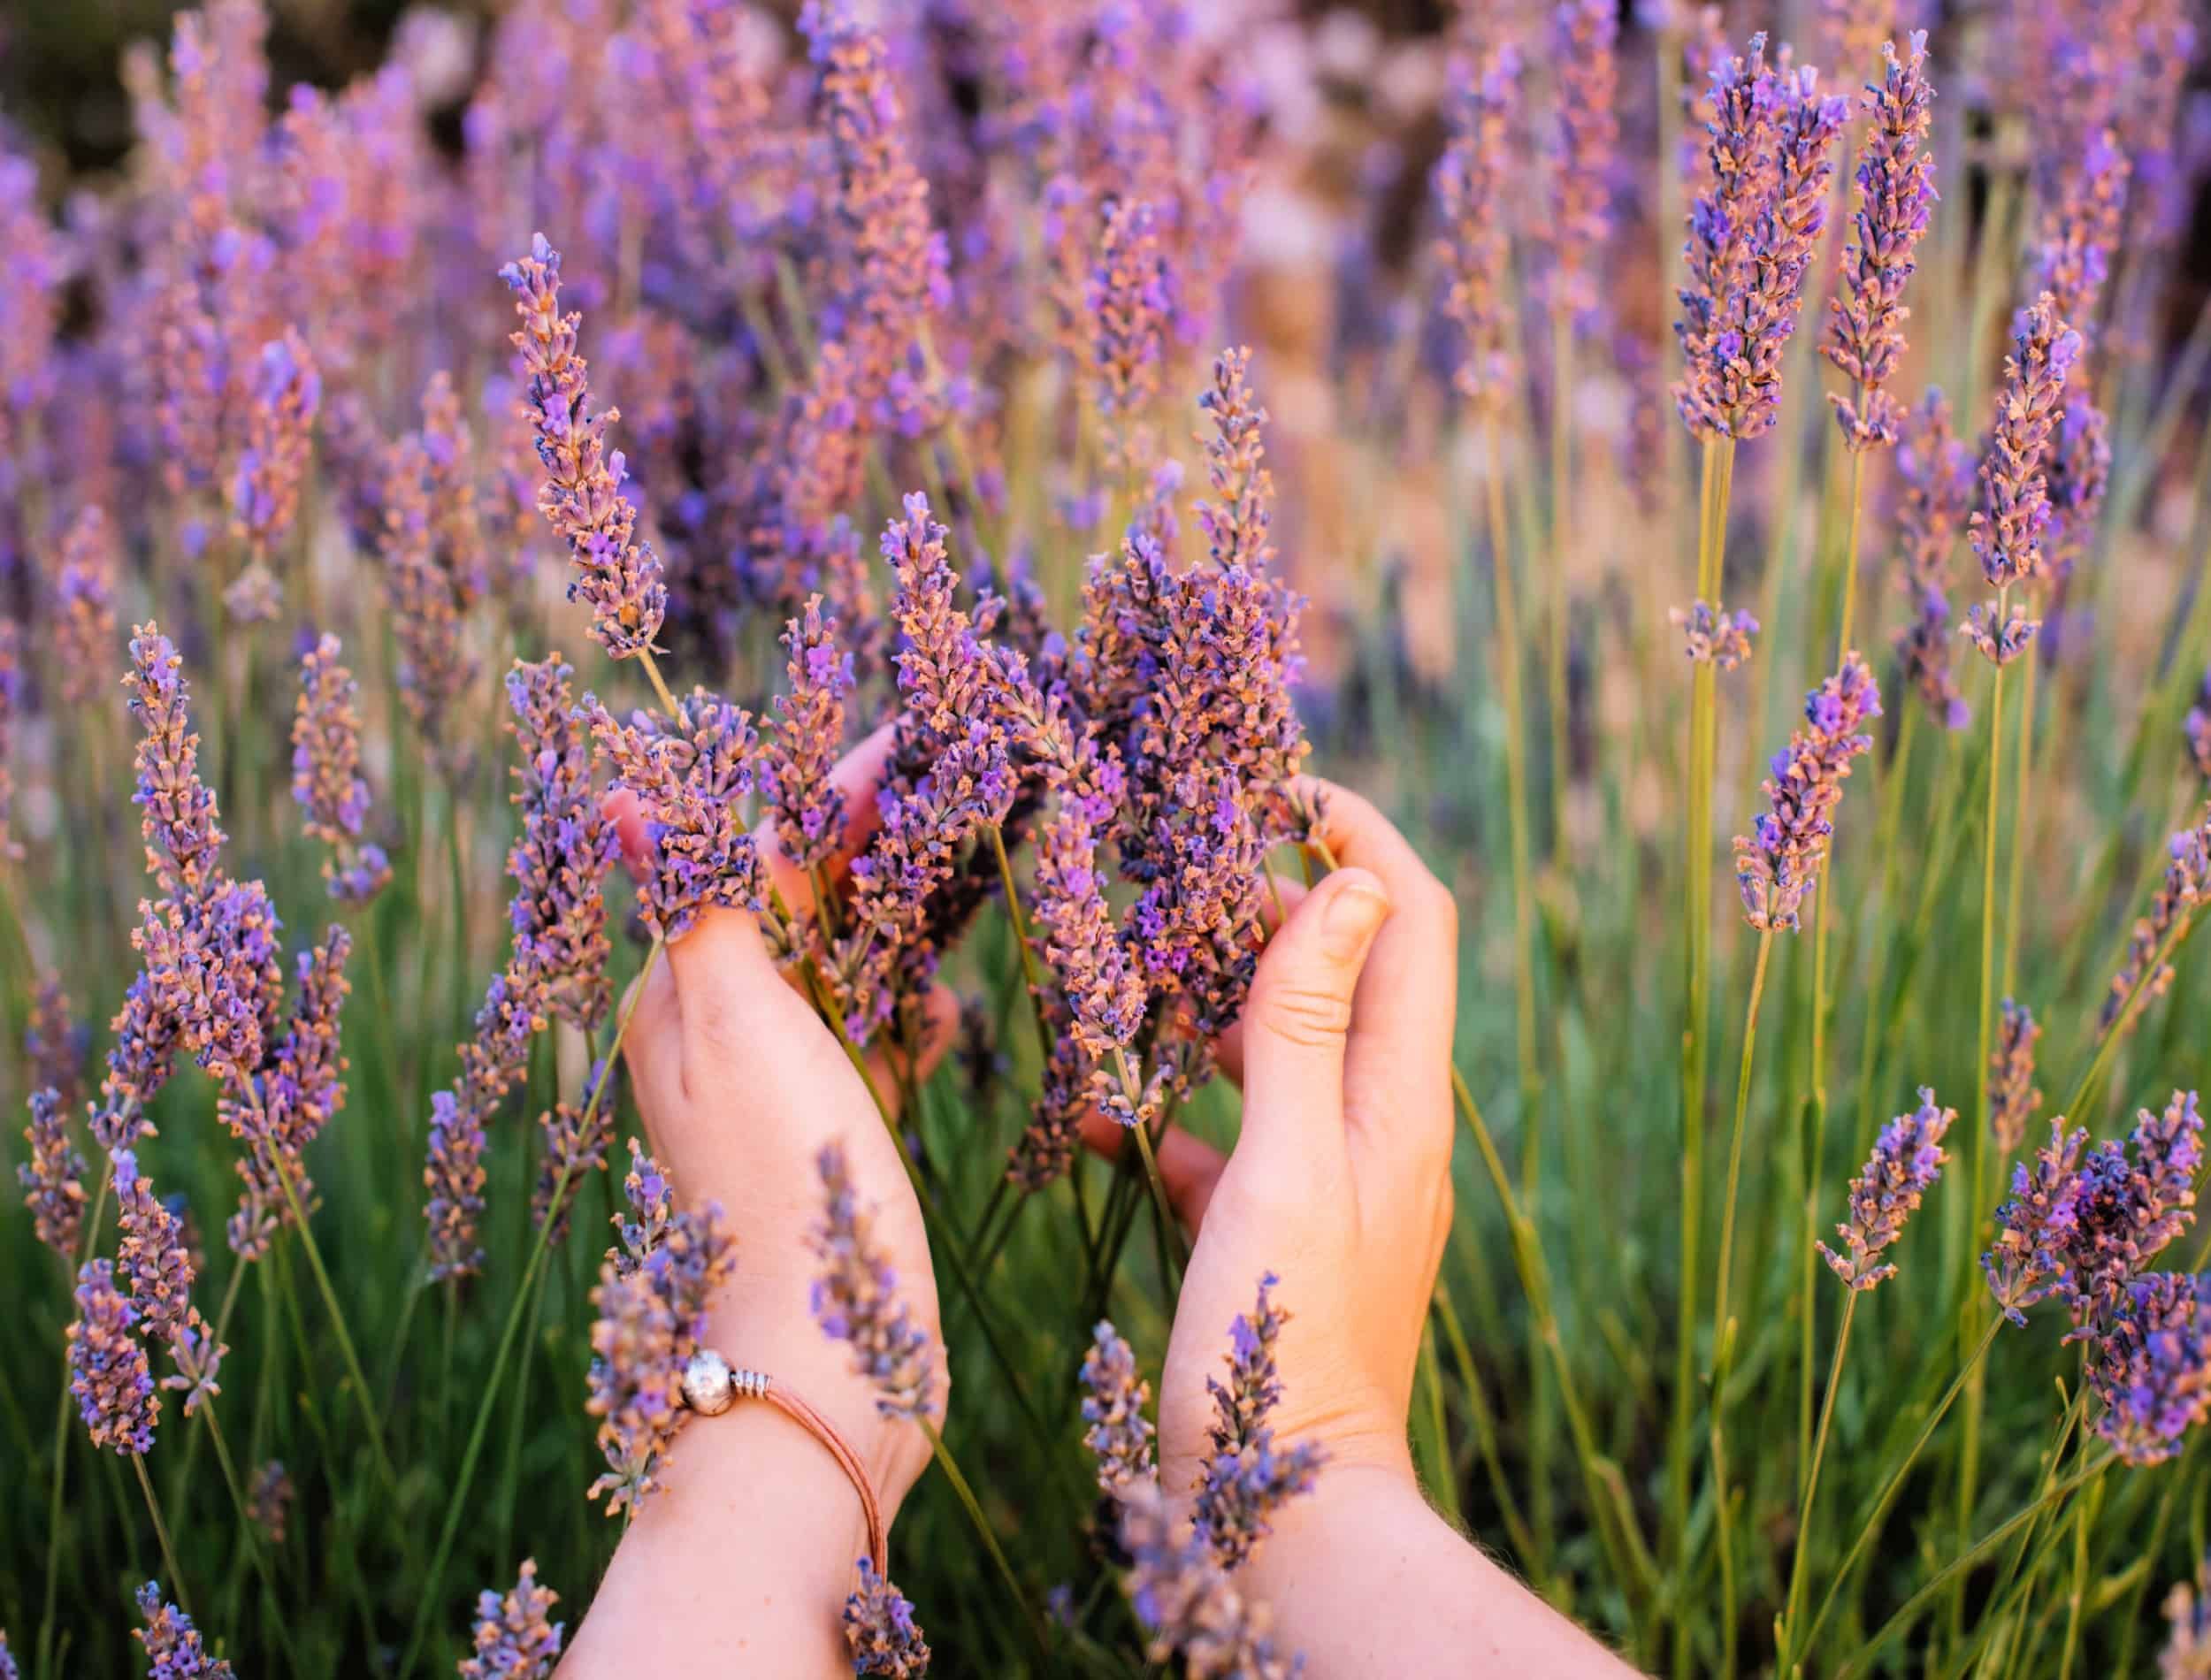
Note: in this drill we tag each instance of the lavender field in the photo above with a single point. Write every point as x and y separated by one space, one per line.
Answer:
940 479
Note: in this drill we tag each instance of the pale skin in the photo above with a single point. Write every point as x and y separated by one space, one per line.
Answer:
1342 1160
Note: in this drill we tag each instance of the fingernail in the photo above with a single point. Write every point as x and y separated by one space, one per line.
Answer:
1353 916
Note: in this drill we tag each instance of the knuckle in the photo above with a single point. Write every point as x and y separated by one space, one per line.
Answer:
1305 1013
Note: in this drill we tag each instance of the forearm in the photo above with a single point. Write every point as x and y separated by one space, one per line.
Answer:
1364 1578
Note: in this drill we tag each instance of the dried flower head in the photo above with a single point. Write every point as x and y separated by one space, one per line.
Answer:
2012 1096
880 1629
1906 1160
1119 1436
1714 636
108 1371
617 576
515 1637
2007 530
173 1645
1243 1479
855 1300
1896 198
327 780
53 1178
1780 863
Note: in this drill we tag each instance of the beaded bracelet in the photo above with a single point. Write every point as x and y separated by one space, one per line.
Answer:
711 1386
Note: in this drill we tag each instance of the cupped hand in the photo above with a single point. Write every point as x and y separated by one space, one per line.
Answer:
1340 1180
741 1086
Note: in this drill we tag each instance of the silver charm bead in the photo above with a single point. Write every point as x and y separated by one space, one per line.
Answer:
708 1386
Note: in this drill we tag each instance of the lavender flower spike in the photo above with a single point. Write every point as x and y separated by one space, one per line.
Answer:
264 491
108 1372
2035 1228
453 1175
155 1268
2008 537
1780 863
1905 1162
617 576
690 774
515 1638
880 1629
1119 1437
2187 1654
1712 635
1584 36
183 843
84 589
1895 195
10 695
1243 1479
326 781
2172 906
1475 251
1187 1601
810 809
855 1300
53 1178
566 846
1936 473
636 1385
173 1645
2012 1096
2151 1366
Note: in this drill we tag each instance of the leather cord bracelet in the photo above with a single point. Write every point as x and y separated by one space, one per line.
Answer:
711 1386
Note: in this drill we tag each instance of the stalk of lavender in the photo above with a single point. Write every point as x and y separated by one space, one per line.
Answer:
617 575
1243 1479
795 772
2147 972
264 486
880 1630
855 1300
435 666
10 697
173 1645
1186 1601
84 627
2012 1096
1937 472
53 1178
1129 297
327 780
54 1042
1119 1436
515 1637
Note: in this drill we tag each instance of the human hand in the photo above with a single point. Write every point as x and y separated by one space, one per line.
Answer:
740 1085
1340 1182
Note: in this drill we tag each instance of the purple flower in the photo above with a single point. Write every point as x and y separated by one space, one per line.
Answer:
515 1637
635 1386
1119 1436
2133 1200
2007 532
2035 1228
1104 988
2150 1365
1734 180
426 604
138 1064
565 848
1186 1601
1895 198
54 1041
1713 636
880 1629
2080 230
453 1175
1584 35
269 1496
1475 252
1243 1479
617 576
1906 1160
327 780
265 489
2172 906
572 1147
1129 296
53 1178
2001 635
150 1255
108 1372
173 1645
1937 472
1779 863
2012 1096
2078 470
450 478
690 774
84 593
10 697
183 843
855 1300
810 735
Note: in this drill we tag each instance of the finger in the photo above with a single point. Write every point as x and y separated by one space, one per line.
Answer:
732 998
652 1042
1397 1064
1190 1167
856 778
1300 1011
620 808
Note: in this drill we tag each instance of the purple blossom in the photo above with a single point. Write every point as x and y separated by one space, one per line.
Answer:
795 775
1584 36
426 604
1714 636
2007 532
2134 1199
53 1178
1906 1160
690 775
264 487
1243 1478
880 1629
855 1300
2150 1365
1472 179
269 1496
1779 862
138 1064
574 1147
84 594
617 576
2080 230
183 843
108 1372
1733 180
327 780
2035 1228
1119 1436
11 697
455 1177
515 1637
150 1256
1936 473
54 1041
635 1386
2078 470
173 1645
566 846
1129 296
2012 1096
1186 1601
1895 198
2172 906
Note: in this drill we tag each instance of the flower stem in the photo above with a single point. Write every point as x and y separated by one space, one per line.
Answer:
1562 498
161 1534
1811 1485
1029 974
248 1530
989 1536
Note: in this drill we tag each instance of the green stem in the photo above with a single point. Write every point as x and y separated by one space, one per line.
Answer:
161 1534
250 1532
1810 1498
989 1536
1030 973
1562 499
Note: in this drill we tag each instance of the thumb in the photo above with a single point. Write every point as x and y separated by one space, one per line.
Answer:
1300 1010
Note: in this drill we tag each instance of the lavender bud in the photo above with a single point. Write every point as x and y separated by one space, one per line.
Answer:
326 781
2012 1096
515 1638
855 1300
1119 1435
2008 537
269 1496
2150 1365
2035 1228
1779 862
53 1178
1936 473
1186 1601
1715 637
795 775
635 1386
566 846
2172 907
690 775
1584 36
84 591
173 1645
108 1372
1475 252
1906 1160
880 1629
150 1255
